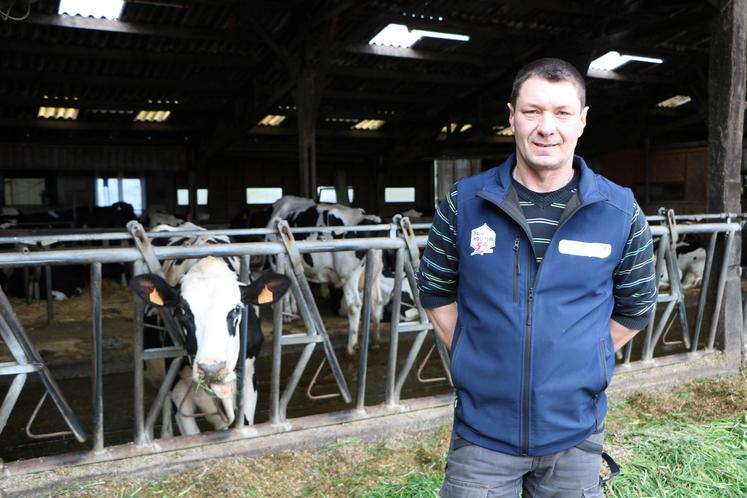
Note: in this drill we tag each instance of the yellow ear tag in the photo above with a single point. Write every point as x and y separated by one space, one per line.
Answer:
155 297
265 296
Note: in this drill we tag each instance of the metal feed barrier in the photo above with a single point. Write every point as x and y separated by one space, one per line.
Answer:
400 238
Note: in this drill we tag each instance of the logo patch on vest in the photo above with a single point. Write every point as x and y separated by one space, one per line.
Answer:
482 240
588 249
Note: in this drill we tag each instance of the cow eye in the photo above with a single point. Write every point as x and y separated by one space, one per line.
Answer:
233 318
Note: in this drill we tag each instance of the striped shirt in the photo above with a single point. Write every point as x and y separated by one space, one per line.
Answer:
543 212
634 278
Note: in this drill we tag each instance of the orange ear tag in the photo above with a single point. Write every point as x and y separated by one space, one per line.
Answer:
265 296
155 297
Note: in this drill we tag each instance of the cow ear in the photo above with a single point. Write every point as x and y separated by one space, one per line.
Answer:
154 290
267 289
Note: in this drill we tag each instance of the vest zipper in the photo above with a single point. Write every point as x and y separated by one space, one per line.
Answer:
517 271
527 373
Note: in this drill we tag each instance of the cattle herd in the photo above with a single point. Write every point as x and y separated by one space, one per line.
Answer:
207 301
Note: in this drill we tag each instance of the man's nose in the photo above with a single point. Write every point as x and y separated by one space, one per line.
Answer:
546 124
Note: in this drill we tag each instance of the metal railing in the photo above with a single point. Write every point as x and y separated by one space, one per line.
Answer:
400 239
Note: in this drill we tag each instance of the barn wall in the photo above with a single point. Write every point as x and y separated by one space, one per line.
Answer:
678 177
227 178
94 158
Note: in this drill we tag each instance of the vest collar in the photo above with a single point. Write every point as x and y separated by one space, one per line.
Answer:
588 188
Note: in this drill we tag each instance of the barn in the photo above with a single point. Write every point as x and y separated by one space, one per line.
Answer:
209 112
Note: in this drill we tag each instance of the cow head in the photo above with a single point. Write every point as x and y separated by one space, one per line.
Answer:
207 305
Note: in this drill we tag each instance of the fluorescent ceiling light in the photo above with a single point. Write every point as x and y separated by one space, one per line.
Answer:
152 116
453 128
272 120
612 60
108 9
368 124
675 101
58 113
397 35
503 131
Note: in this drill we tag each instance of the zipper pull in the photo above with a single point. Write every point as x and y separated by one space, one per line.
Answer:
531 293
516 254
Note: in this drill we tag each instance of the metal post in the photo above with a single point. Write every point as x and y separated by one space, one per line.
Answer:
97 364
704 290
720 288
391 400
277 352
363 364
141 438
243 337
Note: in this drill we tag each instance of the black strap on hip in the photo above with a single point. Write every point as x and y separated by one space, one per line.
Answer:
598 449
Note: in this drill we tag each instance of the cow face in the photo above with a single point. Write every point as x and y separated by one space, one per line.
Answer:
208 305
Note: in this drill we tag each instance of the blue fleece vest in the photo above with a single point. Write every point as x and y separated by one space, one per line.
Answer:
532 353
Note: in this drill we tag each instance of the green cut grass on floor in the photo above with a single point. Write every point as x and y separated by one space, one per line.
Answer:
688 442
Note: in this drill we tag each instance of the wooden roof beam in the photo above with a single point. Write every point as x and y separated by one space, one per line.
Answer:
418 55
418 77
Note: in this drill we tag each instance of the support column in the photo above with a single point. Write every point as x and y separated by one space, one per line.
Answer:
341 186
307 96
726 95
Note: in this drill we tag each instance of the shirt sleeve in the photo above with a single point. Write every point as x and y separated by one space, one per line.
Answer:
437 274
635 277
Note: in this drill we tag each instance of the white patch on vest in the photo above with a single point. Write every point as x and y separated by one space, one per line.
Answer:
588 249
482 240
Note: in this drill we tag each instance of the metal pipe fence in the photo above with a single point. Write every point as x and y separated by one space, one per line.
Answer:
401 240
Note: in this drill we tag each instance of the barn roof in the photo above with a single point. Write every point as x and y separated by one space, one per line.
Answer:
216 68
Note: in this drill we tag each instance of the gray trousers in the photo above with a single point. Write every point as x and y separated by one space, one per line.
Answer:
476 472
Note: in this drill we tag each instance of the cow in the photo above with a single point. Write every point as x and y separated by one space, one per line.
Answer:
342 269
690 266
206 300
408 311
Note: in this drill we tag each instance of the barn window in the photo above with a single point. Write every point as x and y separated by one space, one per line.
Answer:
263 195
202 196
111 190
107 9
399 194
327 193
182 197
24 191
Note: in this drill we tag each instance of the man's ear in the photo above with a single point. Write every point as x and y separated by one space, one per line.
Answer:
267 289
582 117
510 115
154 290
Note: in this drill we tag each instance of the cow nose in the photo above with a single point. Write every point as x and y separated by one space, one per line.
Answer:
211 371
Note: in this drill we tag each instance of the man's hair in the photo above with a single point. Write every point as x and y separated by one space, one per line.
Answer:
549 69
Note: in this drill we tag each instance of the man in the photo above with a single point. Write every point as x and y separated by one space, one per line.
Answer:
534 274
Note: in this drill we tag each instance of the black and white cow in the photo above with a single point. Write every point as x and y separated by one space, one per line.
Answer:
344 270
206 299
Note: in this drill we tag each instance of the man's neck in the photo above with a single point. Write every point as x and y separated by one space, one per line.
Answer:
543 181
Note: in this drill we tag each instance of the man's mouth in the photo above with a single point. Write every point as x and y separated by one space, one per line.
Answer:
544 146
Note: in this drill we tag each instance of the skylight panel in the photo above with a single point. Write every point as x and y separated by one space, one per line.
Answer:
368 124
454 126
503 131
273 120
58 113
675 101
613 60
107 9
152 116
398 35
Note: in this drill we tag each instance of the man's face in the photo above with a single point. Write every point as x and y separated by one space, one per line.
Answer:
547 121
